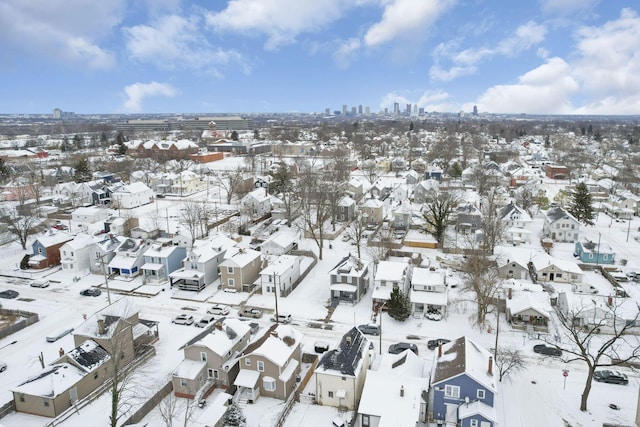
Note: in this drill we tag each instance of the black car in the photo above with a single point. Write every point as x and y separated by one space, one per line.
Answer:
9 294
91 292
611 377
433 344
402 346
546 350
369 329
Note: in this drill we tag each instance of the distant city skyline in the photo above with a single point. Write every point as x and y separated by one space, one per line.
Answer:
357 57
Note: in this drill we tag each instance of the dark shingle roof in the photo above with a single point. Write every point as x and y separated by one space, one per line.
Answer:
347 356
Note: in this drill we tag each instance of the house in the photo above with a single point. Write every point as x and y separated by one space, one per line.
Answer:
167 150
349 280
516 223
528 310
372 211
463 385
592 253
269 365
132 196
599 311
200 267
428 293
513 268
160 260
90 214
346 209
560 226
257 203
401 217
240 269
282 273
355 188
76 253
396 393
211 358
70 378
556 172
341 372
424 189
262 181
128 259
549 269
468 218
103 251
46 249
388 276
278 244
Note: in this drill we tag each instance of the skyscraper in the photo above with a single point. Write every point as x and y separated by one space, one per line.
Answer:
396 109
344 108
475 110
408 110
360 109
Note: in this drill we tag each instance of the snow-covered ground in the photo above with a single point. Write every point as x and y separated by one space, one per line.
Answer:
535 396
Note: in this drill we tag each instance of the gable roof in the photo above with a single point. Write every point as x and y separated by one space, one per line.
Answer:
277 345
347 357
463 357
557 213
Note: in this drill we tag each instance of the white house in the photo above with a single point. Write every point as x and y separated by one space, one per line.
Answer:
283 273
278 244
90 214
390 275
132 196
75 255
428 293
560 226
257 202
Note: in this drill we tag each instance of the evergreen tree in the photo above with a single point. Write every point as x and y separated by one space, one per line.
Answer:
234 135
580 206
5 173
122 149
234 417
82 172
399 306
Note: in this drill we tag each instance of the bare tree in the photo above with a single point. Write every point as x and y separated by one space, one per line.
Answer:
119 345
491 223
437 210
381 244
314 207
231 182
192 216
598 336
508 361
481 281
20 226
356 230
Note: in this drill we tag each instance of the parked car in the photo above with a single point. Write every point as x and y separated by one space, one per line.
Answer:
9 294
611 377
91 292
3 366
230 290
204 322
56 337
547 350
183 319
282 318
320 346
60 227
402 346
39 283
369 329
218 310
250 312
433 344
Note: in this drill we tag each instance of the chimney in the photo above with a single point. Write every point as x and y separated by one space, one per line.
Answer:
510 293
274 333
609 300
219 326
439 350
348 340
401 391
101 330
490 369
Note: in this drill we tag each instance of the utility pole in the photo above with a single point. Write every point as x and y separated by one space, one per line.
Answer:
275 293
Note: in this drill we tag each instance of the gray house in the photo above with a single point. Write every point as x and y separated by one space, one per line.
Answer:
349 280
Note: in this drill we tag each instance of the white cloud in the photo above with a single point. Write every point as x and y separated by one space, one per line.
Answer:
442 75
138 92
174 41
404 18
64 30
345 51
429 100
546 89
280 20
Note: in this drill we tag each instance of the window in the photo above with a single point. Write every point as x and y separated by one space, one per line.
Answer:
480 394
230 270
260 365
473 423
46 402
330 394
21 397
365 421
209 373
183 382
605 257
203 356
269 384
232 282
247 361
452 391
216 374
95 375
590 256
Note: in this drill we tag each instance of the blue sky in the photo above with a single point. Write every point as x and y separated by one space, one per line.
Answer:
178 56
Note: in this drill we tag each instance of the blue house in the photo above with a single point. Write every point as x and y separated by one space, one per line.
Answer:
162 260
592 253
463 385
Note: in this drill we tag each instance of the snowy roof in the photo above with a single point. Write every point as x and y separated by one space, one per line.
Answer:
477 408
222 340
280 265
123 308
247 378
189 369
160 251
51 238
89 355
220 243
424 276
349 266
80 241
278 349
283 240
404 363
135 187
347 357
463 356
542 260
239 257
557 213
432 298
52 382
122 261
538 301
391 271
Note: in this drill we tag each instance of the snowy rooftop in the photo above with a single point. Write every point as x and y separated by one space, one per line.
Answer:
463 356
280 265
280 348
52 382
391 271
239 257
424 276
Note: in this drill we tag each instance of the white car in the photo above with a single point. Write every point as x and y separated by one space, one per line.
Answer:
39 283
282 318
218 310
183 319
